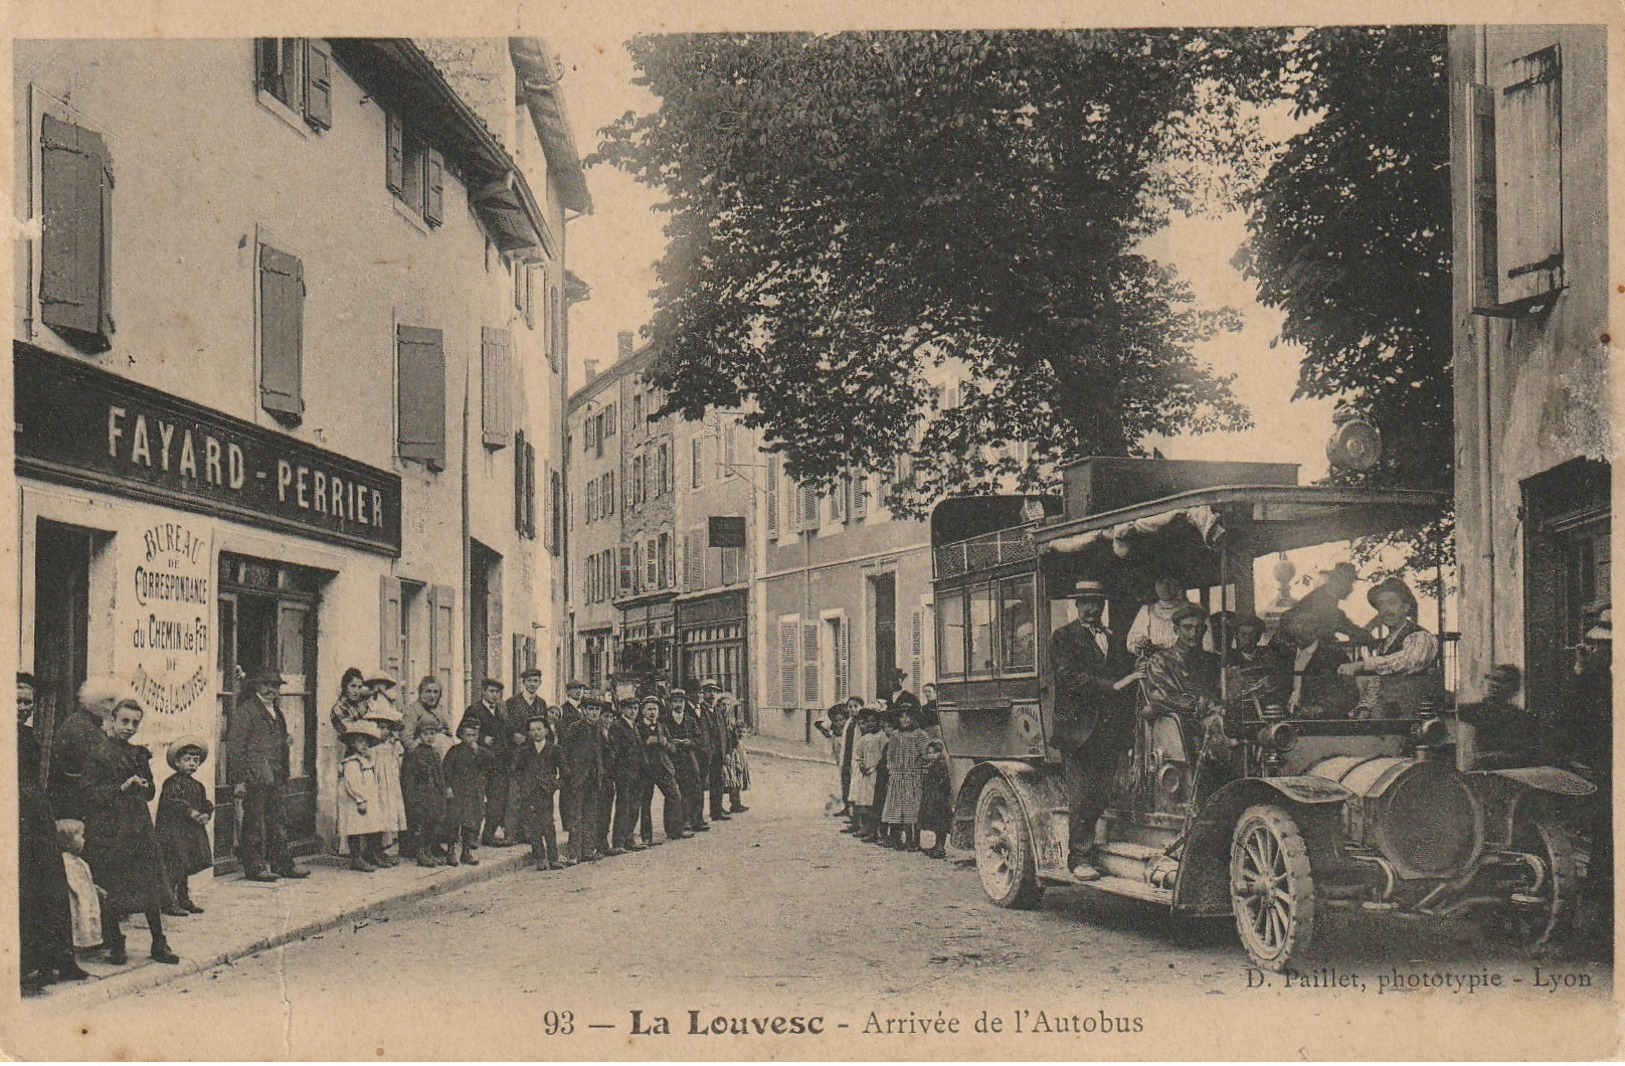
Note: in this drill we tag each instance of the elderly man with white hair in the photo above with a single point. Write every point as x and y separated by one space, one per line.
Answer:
76 737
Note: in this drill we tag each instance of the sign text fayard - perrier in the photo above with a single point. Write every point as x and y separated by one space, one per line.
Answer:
81 425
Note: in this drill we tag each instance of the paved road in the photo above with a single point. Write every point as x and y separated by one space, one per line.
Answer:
774 906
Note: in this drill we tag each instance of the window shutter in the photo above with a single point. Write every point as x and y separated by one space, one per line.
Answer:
730 565
318 84
696 461
519 482
837 500
530 490
518 659
530 296
773 496
76 189
493 617
860 494
788 665
625 569
609 492
496 381
1529 177
555 501
422 398
442 631
282 328
843 661
808 507
434 192
917 648
389 624
394 155
809 663
691 574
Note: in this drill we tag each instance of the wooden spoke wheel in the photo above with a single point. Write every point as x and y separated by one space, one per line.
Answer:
1272 889
1004 849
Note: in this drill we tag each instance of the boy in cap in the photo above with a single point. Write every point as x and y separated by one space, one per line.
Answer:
536 780
423 790
659 773
582 770
625 748
691 759
497 738
466 768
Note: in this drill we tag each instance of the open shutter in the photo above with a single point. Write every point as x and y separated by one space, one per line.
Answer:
434 191
395 153
625 569
519 481
555 502
518 660
389 625
691 578
1529 177
530 490
496 386
773 496
493 621
788 665
76 186
838 499
318 84
860 494
422 396
917 648
843 661
809 662
282 329
442 633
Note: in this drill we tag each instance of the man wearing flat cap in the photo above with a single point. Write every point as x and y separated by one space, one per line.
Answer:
1093 716
1183 682
496 738
257 744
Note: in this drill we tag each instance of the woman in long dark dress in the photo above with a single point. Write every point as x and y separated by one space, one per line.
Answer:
44 920
121 845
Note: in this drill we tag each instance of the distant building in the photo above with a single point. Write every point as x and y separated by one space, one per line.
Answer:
1529 167
290 348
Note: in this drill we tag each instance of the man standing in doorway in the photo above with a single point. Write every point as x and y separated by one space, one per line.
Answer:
257 744
1093 718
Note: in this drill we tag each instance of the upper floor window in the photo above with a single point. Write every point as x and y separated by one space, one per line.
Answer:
297 72
414 172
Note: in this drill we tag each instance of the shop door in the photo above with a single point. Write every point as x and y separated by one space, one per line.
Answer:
61 623
885 587
268 622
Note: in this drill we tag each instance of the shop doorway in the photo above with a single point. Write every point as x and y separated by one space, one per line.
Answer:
885 598
484 616
62 557
268 622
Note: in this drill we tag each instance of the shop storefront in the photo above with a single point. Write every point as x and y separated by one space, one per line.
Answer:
711 635
644 656
182 551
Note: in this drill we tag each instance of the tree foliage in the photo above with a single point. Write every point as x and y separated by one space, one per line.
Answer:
1350 237
848 211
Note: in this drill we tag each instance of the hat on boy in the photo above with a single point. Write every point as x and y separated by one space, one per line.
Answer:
382 677
574 684
651 698
711 684
183 744
528 674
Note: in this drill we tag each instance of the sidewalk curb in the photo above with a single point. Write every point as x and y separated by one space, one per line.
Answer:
787 756
153 975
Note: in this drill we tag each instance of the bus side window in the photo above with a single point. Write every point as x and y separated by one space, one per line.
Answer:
951 634
1018 652
981 630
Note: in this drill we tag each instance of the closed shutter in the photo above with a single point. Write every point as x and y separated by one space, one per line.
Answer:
860 494
773 496
917 648
838 498
76 195
282 330
496 380
442 631
625 569
389 625
1529 177
422 398
691 552
394 155
788 665
843 661
809 663
434 190
519 482
318 84
609 493
730 565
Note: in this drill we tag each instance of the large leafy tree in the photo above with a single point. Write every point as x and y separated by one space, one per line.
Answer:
849 210
1350 237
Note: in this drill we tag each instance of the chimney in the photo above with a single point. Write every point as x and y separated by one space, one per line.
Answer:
592 370
623 344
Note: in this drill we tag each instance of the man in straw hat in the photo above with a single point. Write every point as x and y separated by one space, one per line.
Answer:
1093 717
257 745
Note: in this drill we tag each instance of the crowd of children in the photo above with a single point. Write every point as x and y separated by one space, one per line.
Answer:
593 763
892 771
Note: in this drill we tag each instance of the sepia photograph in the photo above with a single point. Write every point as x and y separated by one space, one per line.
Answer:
813 533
